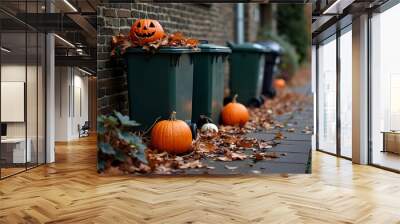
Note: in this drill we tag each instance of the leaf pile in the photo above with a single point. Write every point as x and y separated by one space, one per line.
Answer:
229 144
177 39
121 42
286 102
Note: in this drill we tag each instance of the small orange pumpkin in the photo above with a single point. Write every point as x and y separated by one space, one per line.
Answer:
280 83
173 136
146 31
235 113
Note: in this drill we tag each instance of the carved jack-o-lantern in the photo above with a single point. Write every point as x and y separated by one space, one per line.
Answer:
146 31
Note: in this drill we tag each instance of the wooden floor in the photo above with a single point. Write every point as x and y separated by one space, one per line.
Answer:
386 159
10 171
71 191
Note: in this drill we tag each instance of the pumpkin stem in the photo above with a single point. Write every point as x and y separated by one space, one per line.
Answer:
235 98
173 116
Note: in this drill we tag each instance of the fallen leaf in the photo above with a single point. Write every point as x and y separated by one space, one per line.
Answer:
279 135
162 169
246 143
271 154
206 147
238 156
191 164
264 145
307 130
258 156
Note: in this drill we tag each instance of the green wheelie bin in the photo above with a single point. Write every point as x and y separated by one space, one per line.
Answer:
246 72
159 83
272 57
208 81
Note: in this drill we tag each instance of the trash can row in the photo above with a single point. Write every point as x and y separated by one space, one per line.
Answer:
252 71
190 82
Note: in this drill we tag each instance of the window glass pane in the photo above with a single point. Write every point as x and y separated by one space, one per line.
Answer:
32 97
327 96
346 93
385 83
15 149
31 86
22 87
41 97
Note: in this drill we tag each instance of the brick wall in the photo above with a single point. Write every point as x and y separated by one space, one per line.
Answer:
213 22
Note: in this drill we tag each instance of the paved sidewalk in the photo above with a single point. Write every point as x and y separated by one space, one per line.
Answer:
295 147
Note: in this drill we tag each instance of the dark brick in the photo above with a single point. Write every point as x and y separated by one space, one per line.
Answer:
123 13
123 22
106 31
109 12
100 21
103 56
108 22
125 31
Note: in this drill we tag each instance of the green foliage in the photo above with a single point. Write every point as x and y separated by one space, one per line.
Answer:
289 58
116 142
292 24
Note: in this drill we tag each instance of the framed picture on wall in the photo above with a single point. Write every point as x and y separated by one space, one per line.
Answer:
12 101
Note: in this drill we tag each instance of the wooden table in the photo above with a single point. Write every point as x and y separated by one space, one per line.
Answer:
391 141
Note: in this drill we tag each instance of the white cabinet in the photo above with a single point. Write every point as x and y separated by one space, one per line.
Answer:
17 146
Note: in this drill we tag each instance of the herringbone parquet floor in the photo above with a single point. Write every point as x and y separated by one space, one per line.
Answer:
71 191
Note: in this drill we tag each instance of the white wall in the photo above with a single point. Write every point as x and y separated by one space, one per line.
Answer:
71 102
16 73
33 127
81 104
62 82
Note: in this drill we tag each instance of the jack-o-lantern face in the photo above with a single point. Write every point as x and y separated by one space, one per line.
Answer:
146 31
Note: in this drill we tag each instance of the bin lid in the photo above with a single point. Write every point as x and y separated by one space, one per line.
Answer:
272 46
249 47
163 50
213 48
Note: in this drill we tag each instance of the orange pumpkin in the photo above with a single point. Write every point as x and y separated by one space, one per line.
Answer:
280 83
146 31
173 136
235 113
